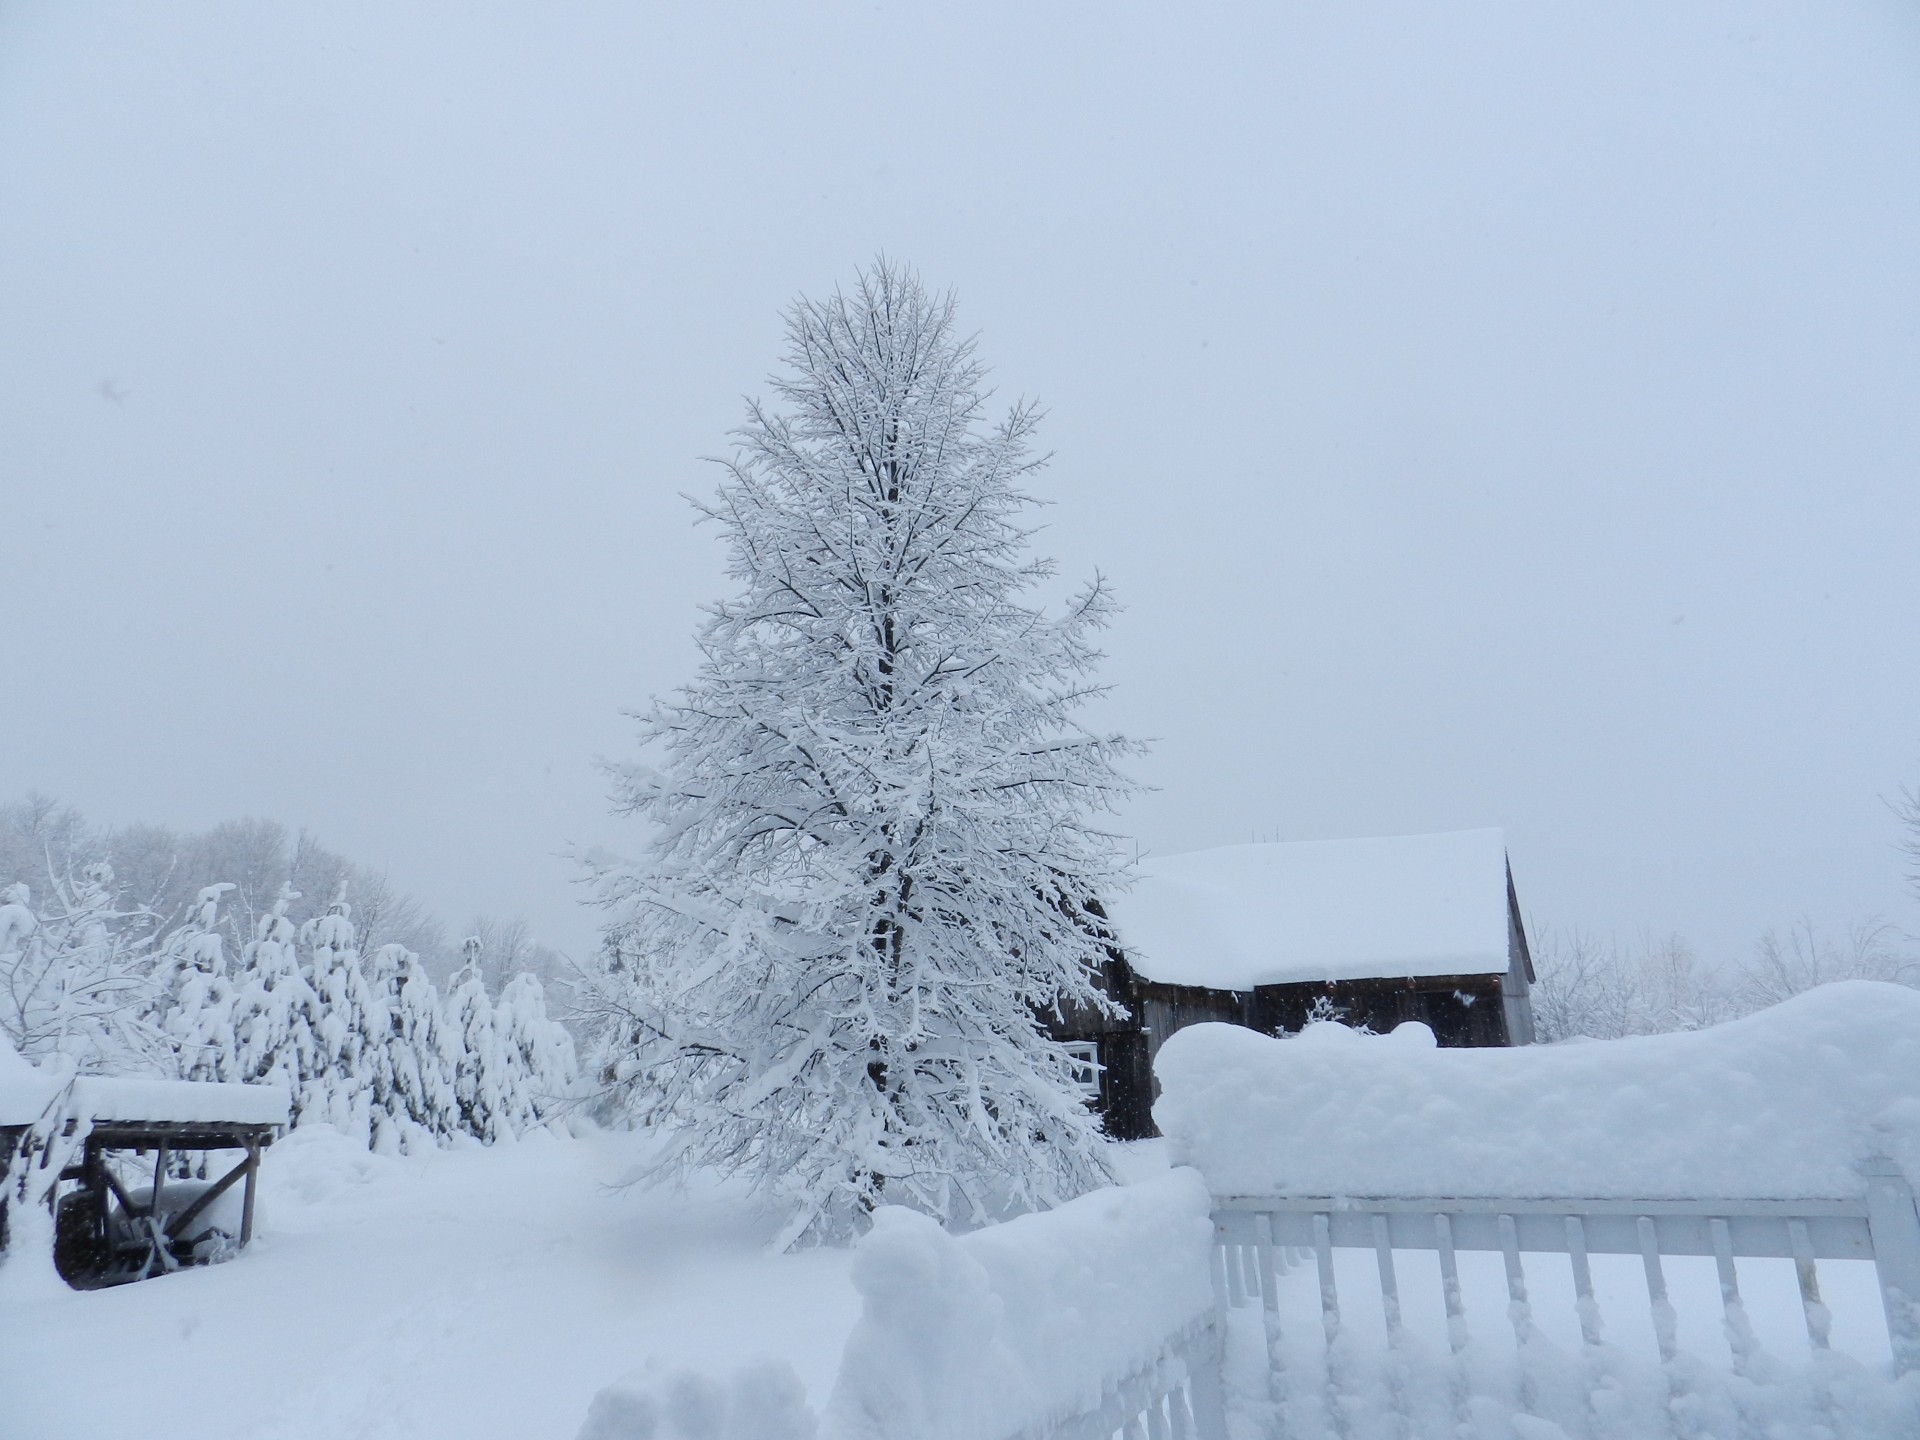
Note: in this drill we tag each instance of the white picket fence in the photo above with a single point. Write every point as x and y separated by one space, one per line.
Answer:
1177 1396
1259 1239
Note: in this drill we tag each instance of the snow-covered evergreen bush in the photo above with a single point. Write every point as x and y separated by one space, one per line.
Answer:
877 823
277 1015
97 983
472 1047
537 1054
194 999
353 1024
415 1104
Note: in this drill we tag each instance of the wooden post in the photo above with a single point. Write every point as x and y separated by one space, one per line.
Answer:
246 1203
1895 1226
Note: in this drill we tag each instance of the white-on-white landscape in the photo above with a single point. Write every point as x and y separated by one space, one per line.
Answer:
1264 789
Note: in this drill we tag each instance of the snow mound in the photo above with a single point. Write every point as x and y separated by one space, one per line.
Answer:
317 1163
997 1332
1278 914
763 1400
1784 1103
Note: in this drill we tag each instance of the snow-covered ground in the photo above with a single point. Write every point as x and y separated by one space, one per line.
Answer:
473 1293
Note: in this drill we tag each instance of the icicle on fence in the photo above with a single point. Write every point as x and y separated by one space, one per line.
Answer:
1312 1384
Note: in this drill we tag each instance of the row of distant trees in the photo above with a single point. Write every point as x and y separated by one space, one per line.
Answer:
228 984
1604 989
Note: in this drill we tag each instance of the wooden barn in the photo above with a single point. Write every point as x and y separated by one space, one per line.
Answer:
1369 932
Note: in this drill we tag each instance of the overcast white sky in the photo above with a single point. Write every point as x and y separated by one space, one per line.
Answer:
1491 413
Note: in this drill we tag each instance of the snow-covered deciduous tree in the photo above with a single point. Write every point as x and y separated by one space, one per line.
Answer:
879 818
75 976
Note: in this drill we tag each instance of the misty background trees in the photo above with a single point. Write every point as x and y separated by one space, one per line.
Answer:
132 952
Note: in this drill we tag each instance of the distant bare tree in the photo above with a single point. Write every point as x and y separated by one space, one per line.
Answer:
1785 965
1603 990
161 871
1907 807
508 948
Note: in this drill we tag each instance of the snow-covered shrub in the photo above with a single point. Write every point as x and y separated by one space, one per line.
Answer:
413 1100
76 976
540 1069
277 1016
353 1024
194 999
361 1042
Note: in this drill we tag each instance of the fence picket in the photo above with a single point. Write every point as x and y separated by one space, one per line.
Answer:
1664 1320
1329 1293
1583 1301
1895 1224
1819 1321
1270 1310
1739 1330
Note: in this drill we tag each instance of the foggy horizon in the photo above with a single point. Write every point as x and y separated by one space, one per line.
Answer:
1498 418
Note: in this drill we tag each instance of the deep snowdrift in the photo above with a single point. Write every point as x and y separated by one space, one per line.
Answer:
469 1294
1783 1103
985 1334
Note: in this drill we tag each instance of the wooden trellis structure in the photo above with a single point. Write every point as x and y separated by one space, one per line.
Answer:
109 1230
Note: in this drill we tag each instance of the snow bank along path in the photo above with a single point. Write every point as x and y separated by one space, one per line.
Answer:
1782 1104
477 1293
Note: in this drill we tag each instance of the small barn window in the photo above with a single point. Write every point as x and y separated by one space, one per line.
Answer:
1083 1062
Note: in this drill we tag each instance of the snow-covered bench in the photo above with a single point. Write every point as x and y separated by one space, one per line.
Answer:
1791 1135
62 1143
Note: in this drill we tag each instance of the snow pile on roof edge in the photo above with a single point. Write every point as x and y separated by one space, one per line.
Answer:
1784 1103
1307 911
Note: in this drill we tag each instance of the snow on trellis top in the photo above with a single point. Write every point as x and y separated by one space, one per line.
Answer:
26 1091
1782 1104
1283 914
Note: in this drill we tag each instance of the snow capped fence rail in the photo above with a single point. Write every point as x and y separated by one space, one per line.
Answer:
1090 1320
1785 1138
1259 1239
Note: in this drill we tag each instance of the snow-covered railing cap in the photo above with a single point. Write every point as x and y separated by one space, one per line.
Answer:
1806 1100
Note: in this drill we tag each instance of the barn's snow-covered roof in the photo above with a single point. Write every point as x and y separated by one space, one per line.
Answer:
1280 914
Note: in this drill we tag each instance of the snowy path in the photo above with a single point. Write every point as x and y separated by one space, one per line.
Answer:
477 1294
